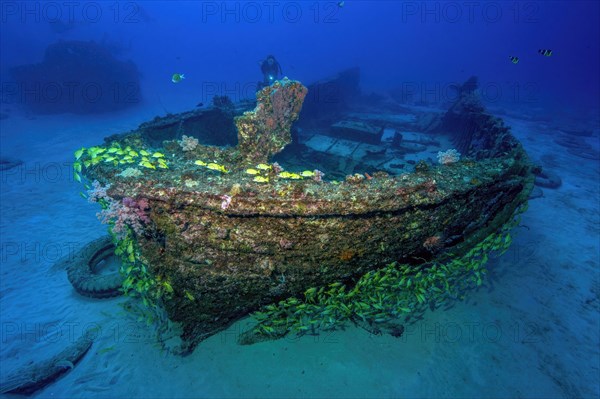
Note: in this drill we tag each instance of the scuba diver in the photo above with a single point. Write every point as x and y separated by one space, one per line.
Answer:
271 70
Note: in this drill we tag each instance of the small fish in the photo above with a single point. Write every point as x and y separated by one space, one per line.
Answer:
263 166
340 4
200 105
307 173
251 171
288 175
104 350
147 164
201 163
261 179
177 77
79 153
167 286
545 53
163 164
514 60
216 166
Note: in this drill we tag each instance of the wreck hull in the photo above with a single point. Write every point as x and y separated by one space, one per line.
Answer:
235 260
221 239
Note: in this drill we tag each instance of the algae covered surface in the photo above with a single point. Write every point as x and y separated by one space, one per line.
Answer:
211 234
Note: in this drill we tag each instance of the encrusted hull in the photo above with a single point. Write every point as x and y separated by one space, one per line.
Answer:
228 244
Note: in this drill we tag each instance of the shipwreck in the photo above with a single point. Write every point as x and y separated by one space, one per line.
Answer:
224 211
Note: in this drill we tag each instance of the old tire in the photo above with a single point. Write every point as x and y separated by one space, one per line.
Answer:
536 193
83 271
547 179
36 376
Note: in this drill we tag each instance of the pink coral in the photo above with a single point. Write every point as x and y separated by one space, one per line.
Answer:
448 157
188 143
433 243
127 213
97 193
276 167
318 176
226 201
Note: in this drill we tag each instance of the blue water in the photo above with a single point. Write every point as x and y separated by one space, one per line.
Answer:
531 331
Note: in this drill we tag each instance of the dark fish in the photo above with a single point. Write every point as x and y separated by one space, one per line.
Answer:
514 60
545 53
200 105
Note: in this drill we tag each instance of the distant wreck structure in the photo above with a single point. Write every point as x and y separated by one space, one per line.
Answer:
75 77
213 233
